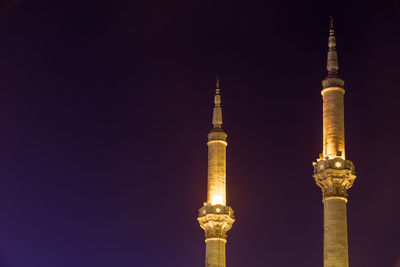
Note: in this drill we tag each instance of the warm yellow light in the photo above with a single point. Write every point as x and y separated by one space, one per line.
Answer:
216 200
338 164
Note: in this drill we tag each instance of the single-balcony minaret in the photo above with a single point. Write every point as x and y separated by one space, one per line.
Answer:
215 217
332 172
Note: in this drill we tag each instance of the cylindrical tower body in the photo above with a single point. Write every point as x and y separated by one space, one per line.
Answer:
215 252
333 122
215 217
335 233
216 186
332 172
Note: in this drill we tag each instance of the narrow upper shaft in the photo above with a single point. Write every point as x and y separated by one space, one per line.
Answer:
333 106
216 189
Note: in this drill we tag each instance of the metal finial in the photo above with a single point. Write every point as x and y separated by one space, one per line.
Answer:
331 31
217 85
217 114
332 63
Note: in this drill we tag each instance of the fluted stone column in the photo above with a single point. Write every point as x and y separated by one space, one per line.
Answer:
216 185
335 232
332 172
333 122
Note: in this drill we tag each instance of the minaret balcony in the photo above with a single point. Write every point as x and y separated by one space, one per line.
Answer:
216 210
334 177
336 164
216 220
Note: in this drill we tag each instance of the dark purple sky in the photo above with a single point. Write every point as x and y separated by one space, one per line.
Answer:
105 107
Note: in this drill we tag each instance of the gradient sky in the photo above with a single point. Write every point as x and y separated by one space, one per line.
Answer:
105 107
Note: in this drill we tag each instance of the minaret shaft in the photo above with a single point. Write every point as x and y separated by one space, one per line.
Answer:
215 253
335 233
215 217
332 172
216 191
333 123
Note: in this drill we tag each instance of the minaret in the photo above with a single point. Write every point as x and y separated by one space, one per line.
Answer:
332 172
215 217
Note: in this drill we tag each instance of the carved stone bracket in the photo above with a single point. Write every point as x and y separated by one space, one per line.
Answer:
334 176
216 220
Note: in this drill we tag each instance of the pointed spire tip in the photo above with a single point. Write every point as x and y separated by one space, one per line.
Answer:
332 62
217 85
217 114
331 30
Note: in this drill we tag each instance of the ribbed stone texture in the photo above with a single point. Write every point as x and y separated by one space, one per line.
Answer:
216 189
335 233
333 122
215 253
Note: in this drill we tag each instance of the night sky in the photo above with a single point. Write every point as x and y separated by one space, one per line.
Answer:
105 107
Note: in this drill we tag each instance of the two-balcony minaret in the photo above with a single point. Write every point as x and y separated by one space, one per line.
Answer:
215 217
332 172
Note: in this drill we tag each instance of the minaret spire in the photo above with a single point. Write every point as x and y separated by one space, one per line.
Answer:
332 63
217 114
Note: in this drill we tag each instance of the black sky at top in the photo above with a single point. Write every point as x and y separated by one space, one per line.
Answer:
105 107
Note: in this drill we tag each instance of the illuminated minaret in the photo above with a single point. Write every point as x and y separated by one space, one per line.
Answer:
332 172
215 217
